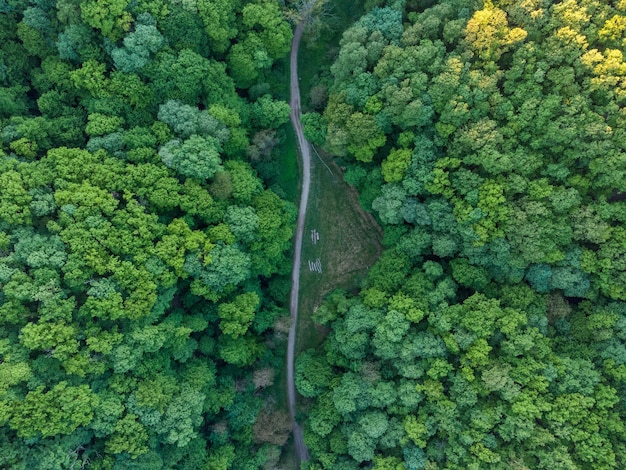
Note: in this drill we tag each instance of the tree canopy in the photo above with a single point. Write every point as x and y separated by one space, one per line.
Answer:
138 241
486 138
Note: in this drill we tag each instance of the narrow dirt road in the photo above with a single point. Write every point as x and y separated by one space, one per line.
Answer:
305 152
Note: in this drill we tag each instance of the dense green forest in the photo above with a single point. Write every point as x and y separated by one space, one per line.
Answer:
144 244
489 140
145 236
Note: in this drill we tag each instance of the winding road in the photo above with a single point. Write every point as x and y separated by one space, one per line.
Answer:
305 152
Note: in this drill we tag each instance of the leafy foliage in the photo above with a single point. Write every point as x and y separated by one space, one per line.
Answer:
136 240
486 139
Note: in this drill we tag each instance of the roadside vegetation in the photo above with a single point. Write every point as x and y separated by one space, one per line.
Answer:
349 243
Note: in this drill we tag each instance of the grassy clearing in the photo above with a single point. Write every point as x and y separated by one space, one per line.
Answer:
349 244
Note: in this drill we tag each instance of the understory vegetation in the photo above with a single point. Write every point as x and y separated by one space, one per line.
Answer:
144 242
488 139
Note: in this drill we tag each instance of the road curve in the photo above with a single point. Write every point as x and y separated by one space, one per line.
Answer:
305 152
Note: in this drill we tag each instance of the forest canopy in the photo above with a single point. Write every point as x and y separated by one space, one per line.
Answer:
145 234
488 140
144 242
